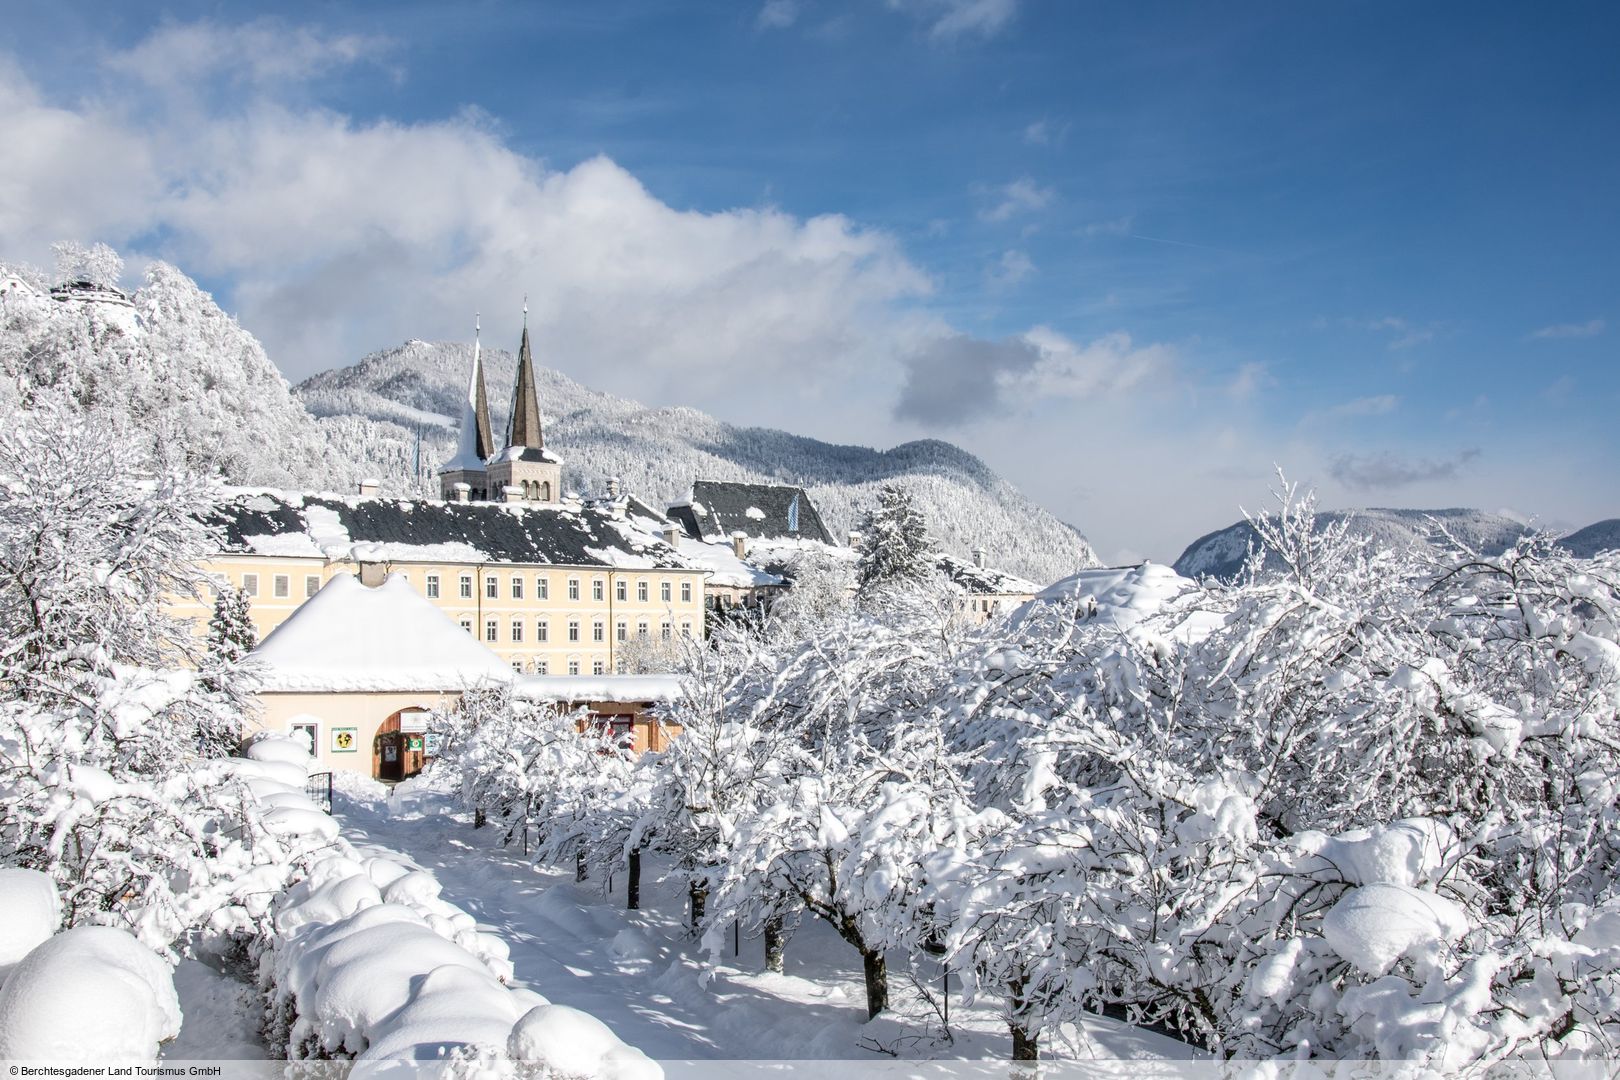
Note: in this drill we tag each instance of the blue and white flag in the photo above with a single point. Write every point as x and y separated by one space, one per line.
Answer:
793 515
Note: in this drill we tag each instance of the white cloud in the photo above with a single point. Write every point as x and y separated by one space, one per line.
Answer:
1012 268
263 52
777 14
951 19
1038 134
1589 329
1120 226
337 237
1248 381
1021 196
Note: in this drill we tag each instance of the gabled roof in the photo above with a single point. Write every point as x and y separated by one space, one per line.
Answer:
404 530
716 509
984 580
348 637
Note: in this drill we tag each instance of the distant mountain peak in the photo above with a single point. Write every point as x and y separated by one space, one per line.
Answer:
659 452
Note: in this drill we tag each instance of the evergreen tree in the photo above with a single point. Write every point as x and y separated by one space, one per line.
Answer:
895 546
231 635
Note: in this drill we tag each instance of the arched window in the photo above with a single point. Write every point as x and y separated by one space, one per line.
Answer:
545 491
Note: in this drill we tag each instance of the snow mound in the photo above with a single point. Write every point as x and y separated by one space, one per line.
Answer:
279 748
90 995
1375 925
1401 853
30 912
572 1043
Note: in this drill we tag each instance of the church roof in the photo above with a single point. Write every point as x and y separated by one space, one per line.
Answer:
716 509
476 442
404 530
523 428
348 637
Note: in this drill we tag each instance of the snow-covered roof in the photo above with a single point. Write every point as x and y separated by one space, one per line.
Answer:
984 580
719 558
349 637
582 688
1121 595
419 530
715 509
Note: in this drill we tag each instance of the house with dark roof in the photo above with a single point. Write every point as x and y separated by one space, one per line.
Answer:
718 510
569 588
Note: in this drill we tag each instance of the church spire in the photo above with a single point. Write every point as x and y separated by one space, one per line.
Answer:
477 442
523 429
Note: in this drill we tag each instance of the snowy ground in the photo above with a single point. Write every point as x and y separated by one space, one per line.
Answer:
641 974
220 1016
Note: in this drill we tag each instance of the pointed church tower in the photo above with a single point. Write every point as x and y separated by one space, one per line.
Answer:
524 470
475 444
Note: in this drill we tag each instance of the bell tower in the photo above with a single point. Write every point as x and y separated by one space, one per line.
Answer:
525 464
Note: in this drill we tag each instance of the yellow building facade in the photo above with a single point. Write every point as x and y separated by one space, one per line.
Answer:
539 619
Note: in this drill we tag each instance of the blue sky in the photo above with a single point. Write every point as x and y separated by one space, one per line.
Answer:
1133 255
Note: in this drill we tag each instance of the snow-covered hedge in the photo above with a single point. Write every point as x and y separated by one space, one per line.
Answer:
366 960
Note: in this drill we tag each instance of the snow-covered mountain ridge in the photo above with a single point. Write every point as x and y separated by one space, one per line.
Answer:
1221 553
659 452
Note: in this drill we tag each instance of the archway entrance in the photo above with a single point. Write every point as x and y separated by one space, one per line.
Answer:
400 748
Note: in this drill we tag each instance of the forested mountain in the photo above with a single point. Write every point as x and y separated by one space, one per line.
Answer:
166 367
1221 554
658 453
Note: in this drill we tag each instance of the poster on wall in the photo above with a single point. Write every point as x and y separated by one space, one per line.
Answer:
430 744
344 740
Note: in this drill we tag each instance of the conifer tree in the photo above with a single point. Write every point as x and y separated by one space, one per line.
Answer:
895 546
231 635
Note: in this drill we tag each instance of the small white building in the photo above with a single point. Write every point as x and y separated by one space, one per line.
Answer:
355 671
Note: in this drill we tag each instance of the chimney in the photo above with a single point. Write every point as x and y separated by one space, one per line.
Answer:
672 534
463 492
512 493
979 555
369 486
854 540
613 487
739 544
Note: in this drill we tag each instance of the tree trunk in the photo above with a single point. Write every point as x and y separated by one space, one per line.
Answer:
698 897
632 891
1026 1045
877 981
775 944
478 818
579 866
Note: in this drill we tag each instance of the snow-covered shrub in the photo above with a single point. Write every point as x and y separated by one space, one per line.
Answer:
90 995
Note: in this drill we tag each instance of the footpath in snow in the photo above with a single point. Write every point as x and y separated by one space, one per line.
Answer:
641 973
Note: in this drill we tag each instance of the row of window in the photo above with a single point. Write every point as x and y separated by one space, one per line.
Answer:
281 588
542 630
281 585
542 589
542 667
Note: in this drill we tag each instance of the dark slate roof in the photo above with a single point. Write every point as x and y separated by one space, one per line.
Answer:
279 523
716 510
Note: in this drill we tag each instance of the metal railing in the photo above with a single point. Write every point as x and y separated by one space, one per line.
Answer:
319 789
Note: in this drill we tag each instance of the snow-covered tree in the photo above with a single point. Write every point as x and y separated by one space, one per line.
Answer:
106 728
895 547
98 264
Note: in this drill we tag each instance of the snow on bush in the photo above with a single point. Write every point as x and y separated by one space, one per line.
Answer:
30 912
1360 805
92 995
366 960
